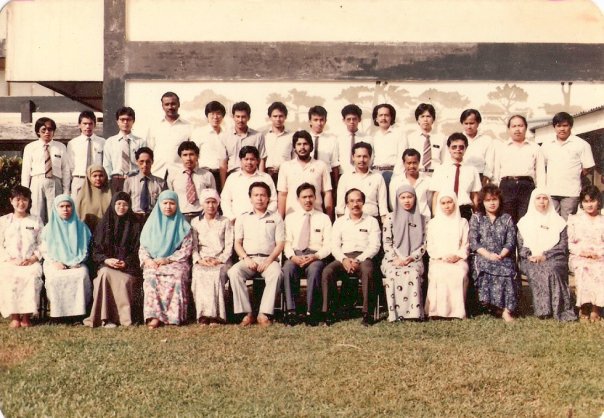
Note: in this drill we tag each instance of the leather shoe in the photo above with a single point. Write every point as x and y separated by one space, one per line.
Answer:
247 320
263 320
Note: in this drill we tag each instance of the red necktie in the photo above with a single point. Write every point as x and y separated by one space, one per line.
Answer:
456 183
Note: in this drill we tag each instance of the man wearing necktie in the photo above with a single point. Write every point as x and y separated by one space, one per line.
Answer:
119 154
84 150
351 117
430 146
307 247
144 187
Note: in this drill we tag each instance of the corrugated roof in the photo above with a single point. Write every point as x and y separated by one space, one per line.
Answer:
585 112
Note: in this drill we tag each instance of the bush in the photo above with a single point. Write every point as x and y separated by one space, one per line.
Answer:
10 176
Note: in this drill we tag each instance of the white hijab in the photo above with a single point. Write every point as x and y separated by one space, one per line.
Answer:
449 228
540 231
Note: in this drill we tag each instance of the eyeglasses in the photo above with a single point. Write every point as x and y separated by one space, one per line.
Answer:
125 119
44 130
459 147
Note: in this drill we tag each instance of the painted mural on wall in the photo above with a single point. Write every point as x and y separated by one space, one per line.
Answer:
496 101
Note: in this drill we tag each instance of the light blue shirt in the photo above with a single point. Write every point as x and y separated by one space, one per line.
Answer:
112 154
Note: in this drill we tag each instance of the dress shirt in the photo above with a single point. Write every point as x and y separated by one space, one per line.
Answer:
134 186
260 233
177 181
564 161
112 153
233 143
320 233
348 235
235 198
211 149
439 147
518 161
370 183
278 148
388 148
164 139
328 149
293 173
481 154
345 151
33 162
444 179
77 150
422 192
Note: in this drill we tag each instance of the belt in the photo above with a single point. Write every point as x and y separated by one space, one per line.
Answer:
257 255
192 213
79 177
518 178
427 170
118 176
384 167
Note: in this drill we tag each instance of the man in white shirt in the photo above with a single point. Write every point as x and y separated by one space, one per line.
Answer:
239 137
119 154
277 139
45 169
457 176
430 147
259 241
84 150
165 137
304 168
372 184
389 143
209 140
413 177
481 148
189 180
351 117
234 199
325 146
567 157
307 246
355 241
518 168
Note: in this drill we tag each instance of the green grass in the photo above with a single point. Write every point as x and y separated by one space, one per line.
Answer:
479 367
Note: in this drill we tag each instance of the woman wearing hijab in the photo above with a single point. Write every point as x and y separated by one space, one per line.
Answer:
493 239
64 247
447 244
404 247
543 244
95 197
115 252
165 248
212 249
20 267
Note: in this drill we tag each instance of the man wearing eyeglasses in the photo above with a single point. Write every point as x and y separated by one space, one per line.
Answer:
464 180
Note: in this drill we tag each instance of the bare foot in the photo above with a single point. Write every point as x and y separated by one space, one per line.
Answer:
594 316
25 322
14 323
264 320
154 323
507 316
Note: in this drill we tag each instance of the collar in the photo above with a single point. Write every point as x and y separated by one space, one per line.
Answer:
510 141
177 121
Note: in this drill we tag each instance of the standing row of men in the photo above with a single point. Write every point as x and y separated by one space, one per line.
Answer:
225 160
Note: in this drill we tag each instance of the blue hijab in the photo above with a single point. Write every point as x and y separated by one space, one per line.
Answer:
66 240
162 235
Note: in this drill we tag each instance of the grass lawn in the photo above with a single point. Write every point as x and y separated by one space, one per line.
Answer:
478 367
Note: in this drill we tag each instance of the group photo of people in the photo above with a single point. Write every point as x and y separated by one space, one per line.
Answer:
214 226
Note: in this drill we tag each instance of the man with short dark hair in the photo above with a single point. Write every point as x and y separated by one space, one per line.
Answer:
325 145
389 142
119 154
304 168
143 187
84 150
430 147
278 140
209 140
165 136
415 178
240 136
189 180
355 241
259 241
234 199
567 157
372 184
307 246
351 117
454 175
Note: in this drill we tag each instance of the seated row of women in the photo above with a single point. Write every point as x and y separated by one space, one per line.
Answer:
163 248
